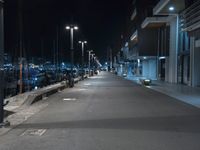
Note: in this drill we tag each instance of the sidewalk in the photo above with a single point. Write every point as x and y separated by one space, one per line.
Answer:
20 107
187 94
17 101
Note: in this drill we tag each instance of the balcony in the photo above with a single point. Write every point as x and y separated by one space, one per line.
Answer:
168 7
190 17
154 22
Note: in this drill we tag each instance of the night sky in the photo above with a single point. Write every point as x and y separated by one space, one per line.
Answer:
101 22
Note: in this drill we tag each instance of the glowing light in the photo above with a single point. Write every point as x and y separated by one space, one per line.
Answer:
75 28
67 27
171 8
162 58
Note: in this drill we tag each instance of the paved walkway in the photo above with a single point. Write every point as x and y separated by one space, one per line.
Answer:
187 94
107 112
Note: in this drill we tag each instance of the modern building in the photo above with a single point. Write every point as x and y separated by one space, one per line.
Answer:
165 40
183 23
190 43
140 49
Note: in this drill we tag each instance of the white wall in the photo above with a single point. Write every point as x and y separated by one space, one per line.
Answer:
153 69
145 68
149 69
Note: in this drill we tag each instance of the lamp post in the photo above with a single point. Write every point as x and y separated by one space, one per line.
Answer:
89 53
1 62
2 123
82 48
93 60
72 28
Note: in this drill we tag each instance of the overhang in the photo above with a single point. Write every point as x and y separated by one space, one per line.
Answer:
154 22
168 7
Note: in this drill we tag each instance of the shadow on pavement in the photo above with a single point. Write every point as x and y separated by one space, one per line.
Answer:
8 113
189 124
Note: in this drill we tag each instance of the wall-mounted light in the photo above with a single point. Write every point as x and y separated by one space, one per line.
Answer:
163 57
171 8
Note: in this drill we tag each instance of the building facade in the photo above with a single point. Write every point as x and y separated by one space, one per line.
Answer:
190 28
140 48
165 40
182 17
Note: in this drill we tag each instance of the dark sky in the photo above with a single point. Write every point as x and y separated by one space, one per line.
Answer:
100 21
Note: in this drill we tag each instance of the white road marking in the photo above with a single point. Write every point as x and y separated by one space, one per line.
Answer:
69 99
87 84
81 89
34 132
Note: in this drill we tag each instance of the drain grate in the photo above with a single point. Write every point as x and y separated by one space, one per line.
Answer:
34 132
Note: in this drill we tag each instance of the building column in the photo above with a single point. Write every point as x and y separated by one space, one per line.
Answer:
145 68
173 50
1 62
167 69
194 61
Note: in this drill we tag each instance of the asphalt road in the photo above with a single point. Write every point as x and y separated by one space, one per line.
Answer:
107 112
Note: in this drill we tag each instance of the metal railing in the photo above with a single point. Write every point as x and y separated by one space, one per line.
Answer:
190 17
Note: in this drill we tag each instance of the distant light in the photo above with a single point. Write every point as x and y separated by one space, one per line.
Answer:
36 88
138 61
171 8
80 42
106 63
67 27
36 79
75 28
145 57
85 42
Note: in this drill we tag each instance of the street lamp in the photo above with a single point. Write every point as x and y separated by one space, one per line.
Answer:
92 59
93 62
89 54
82 46
72 28
1 62
2 123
